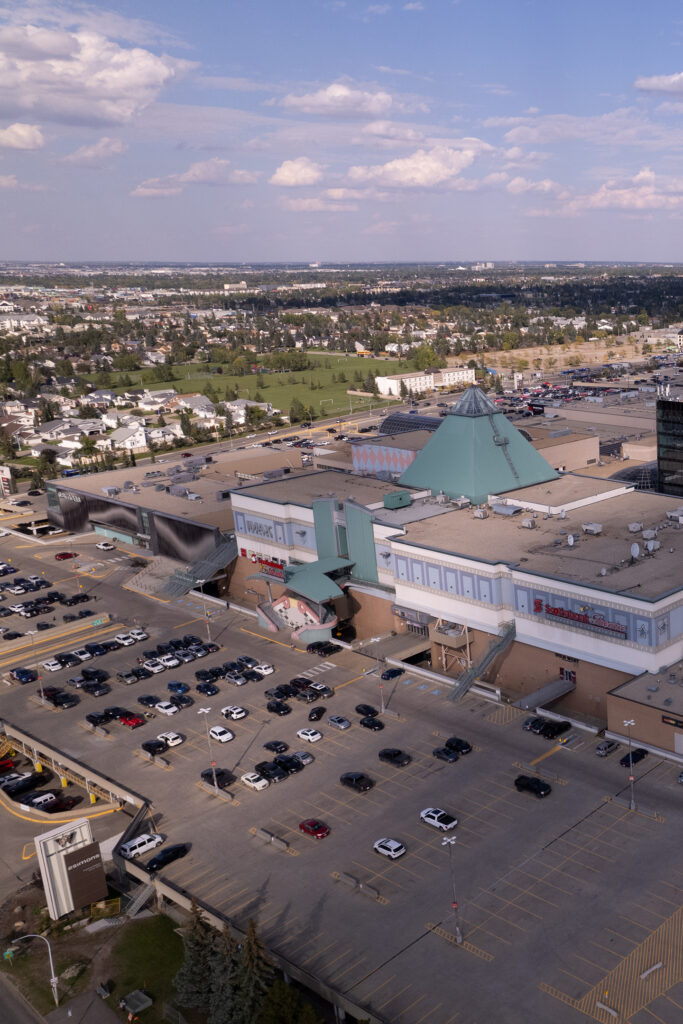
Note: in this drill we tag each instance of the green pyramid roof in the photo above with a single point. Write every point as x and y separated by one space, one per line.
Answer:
475 452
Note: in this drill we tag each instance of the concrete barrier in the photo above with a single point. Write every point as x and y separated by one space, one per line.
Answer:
263 833
211 790
348 880
368 890
279 844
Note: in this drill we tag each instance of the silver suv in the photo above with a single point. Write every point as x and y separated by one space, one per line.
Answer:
606 747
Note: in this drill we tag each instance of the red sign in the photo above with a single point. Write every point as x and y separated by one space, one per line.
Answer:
594 620
272 568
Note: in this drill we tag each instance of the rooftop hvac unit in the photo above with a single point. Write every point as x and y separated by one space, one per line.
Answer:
461 502
635 527
676 514
649 535
111 492
480 513
128 485
177 490
441 498
595 529
529 524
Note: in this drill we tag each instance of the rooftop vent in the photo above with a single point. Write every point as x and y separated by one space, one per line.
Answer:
480 513
595 529
635 527
529 524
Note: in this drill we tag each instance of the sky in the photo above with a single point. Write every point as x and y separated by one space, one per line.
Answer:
341 130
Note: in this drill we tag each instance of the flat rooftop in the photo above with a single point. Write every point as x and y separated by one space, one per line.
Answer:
213 478
414 440
662 690
544 550
304 488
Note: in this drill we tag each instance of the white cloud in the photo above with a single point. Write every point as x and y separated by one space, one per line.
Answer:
423 169
215 171
624 126
316 205
416 6
645 191
235 84
381 227
519 185
392 131
341 100
661 83
78 77
295 173
98 154
8 181
21 136
378 9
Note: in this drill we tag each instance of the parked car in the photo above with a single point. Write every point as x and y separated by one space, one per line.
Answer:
391 848
392 673
278 707
276 746
357 781
252 780
270 771
309 735
221 734
315 714
532 784
606 747
438 818
444 754
338 722
458 745
371 723
167 856
154 747
314 827
394 756
636 755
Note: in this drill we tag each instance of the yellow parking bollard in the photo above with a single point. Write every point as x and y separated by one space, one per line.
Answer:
93 798
64 781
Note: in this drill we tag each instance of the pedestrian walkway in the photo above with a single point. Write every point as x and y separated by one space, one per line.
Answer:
88 1008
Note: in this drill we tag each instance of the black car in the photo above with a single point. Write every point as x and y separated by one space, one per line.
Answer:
211 647
444 754
392 673
204 675
167 856
117 712
44 625
392 755
308 695
94 675
299 683
271 771
141 672
366 711
278 707
12 635
357 781
551 730
628 760
190 640
98 718
276 746
277 692
373 724
84 613
63 701
97 689
208 689
155 747
534 724
288 763
224 778
111 645
181 700
315 714
148 700
97 650
531 784
251 675
459 746
313 648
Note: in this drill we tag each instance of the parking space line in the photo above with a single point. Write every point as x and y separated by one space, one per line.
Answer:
598 945
474 928
620 935
368 995
336 978
563 970
395 996
513 904
410 1006
318 952
649 910
428 1013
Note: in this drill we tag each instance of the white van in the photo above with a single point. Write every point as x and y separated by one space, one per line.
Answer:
38 801
141 844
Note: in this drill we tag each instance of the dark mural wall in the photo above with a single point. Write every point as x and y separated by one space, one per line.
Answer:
164 535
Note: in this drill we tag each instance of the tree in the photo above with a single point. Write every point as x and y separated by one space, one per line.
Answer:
255 976
284 1004
87 444
185 423
424 357
193 981
297 413
403 390
223 995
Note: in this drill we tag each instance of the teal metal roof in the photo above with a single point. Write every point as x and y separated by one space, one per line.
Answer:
476 452
311 581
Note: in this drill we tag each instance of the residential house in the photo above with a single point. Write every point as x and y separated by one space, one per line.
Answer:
238 409
128 439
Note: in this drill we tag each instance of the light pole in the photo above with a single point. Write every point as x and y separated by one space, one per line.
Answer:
205 711
53 979
628 723
450 842
206 611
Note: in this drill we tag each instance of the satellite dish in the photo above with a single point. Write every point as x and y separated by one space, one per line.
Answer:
603 572
650 546
570 540
635 550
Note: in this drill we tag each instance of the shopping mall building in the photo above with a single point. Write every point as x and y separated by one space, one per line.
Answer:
498 566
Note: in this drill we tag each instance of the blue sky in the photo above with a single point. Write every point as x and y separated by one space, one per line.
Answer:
331 130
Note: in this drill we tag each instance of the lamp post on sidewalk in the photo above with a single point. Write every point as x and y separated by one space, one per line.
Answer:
628 723
450 842
53 979
207 615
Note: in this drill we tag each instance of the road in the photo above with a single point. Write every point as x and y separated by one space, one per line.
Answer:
15 1009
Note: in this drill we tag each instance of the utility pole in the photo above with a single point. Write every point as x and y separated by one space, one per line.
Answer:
450 842
632 803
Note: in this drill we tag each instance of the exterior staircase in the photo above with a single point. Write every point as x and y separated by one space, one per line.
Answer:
474 672
184 580
139 897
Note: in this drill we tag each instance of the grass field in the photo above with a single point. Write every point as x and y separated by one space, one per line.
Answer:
148 956
314 387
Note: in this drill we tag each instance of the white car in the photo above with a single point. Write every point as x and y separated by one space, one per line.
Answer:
125 639
82 654
164 707
138 634
104 545
217 732
438 818
309 735
52 665
391 848
233 712
265 669
171 739
169 661
153 665
35 579
254 781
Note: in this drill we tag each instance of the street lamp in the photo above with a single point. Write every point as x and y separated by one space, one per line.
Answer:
628 723
53 979
450 842
207 616
205 711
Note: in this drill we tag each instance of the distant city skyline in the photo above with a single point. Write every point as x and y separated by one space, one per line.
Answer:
340 130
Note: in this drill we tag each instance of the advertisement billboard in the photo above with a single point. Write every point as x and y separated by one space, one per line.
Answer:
85 873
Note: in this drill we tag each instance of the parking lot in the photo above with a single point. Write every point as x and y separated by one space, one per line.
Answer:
560 900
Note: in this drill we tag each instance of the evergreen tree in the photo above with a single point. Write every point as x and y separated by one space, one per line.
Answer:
255 976
223 995
284 1004
193 980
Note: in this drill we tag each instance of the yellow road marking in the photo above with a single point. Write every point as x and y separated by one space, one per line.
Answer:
31 853
548 753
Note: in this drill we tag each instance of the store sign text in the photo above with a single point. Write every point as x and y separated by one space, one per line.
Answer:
257 529
594 620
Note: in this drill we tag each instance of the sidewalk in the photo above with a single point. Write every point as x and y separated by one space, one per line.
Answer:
88 1008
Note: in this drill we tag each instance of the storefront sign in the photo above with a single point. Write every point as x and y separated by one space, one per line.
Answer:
271 568
670 720
257 529
591 620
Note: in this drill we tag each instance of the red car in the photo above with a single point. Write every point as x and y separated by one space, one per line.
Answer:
132 721
315 828
61 556
6 764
